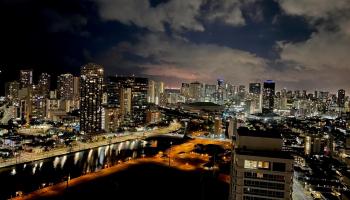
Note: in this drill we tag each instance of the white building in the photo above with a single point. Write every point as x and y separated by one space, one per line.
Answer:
261 170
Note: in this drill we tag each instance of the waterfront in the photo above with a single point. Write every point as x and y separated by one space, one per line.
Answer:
32 176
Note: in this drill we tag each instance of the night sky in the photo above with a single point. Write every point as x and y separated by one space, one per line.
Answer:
301 44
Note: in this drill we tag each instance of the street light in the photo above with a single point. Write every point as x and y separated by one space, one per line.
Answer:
68 179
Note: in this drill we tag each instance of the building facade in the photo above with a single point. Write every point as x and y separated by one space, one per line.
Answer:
260 170
91 80
268 96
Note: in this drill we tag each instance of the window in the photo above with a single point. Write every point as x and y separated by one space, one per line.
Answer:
259 175
269 177
263 165
280 167
250 164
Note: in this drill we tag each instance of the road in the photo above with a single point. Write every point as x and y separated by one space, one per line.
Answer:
298 191
29 157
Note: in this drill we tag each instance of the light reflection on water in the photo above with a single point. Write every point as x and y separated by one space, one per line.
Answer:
63 161
13 172
90 154
56 161
34 168
76 157
106 150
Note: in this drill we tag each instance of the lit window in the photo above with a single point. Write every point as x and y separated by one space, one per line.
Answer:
263 165
250 164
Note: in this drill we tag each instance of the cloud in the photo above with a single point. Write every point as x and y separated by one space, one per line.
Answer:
178 58
324 56
180 15
227 11
313 8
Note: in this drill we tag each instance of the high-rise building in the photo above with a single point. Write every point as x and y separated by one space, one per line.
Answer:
185 90
268 96
195 91
210 91
241 92
91 80
37 102
151 91
255 88
111 119
65 86
76 87
304 94
241 88
159 92
173 96
260 170
11 90
341 98
139 88
231 127
155 91
220 91
44 84
125 102
113 90
26 78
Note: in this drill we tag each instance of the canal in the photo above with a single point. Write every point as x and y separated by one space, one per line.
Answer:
32 176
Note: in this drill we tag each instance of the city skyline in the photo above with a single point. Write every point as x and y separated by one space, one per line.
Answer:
175 99
299 45
54 82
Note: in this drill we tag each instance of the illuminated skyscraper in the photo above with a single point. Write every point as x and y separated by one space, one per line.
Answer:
113 90
11 90
138 88
155 92
44 84
210 91
341 98
26 78
220 91
268 96
255 88
185 90
91 80
65 86
196 91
